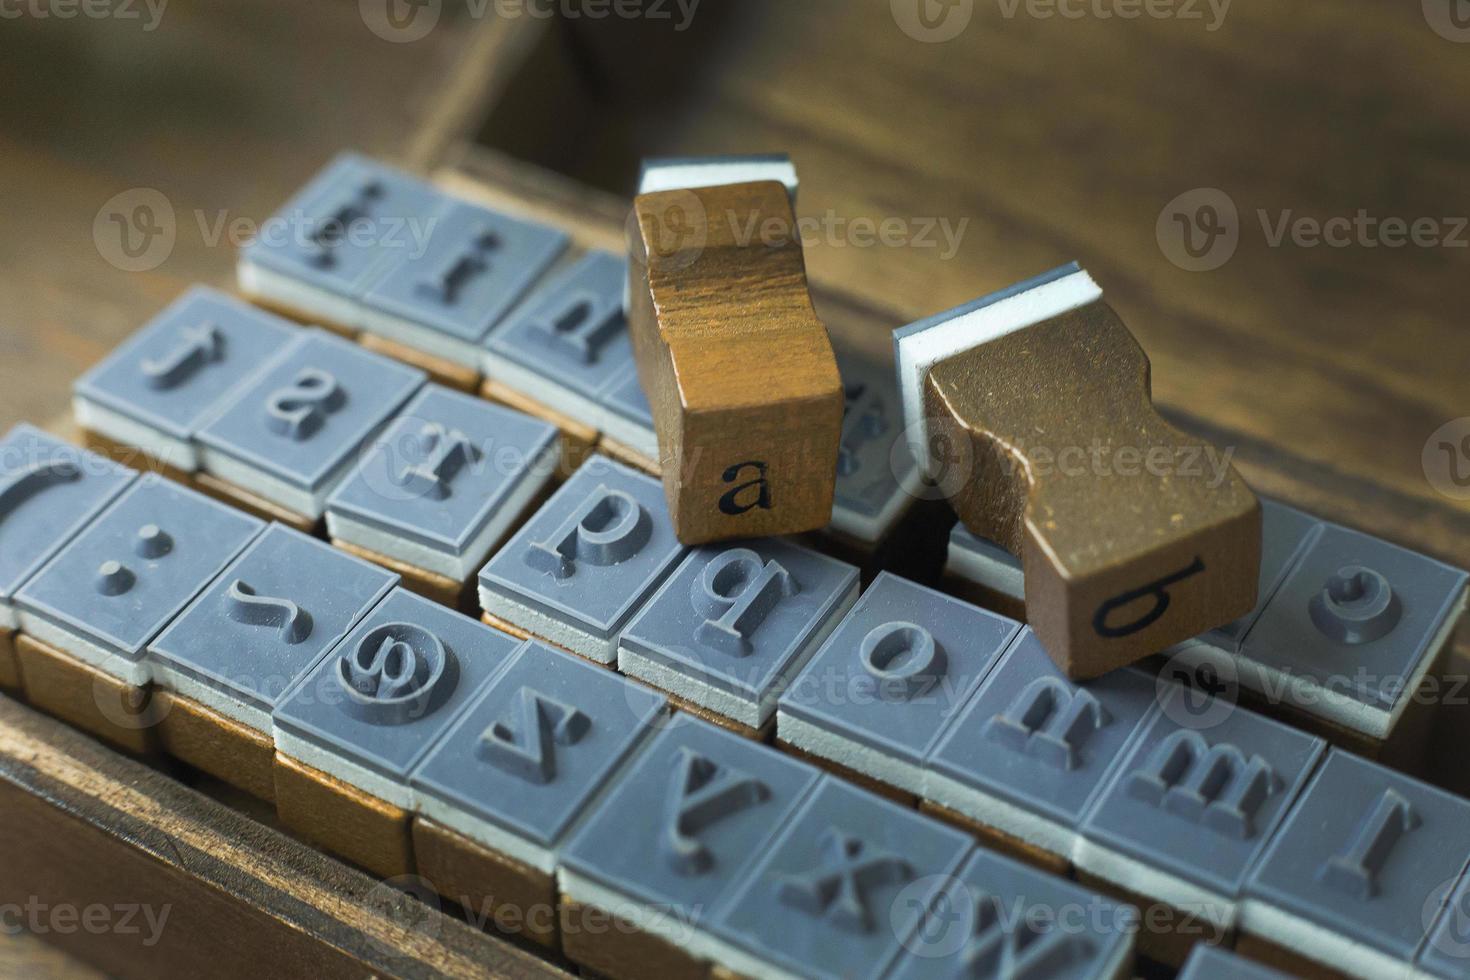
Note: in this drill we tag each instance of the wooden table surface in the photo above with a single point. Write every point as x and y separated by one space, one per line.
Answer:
1326 366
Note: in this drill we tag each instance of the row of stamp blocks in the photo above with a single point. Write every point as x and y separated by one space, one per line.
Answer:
405 735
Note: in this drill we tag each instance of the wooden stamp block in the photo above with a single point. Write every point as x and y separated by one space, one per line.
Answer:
115 711
212 743
133 458
351 732
515 897
1133 535
343 819
612 947
9 665
242 499
440 370
740 373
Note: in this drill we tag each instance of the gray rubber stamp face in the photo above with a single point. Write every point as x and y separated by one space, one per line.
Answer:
292 432
578 570
845 882
685 820
1200 803
443 483
998 917
1037 741
1446 952
1367 854
571 331
1359 614
173 374
874 465
48 492
477 264
265 621
898 667
1285 534
734 621
1208 962
346 225
385 694
535 748
124 577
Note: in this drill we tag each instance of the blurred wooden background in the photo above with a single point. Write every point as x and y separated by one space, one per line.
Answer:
1050 137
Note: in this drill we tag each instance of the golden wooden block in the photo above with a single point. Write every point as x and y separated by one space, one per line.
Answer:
9 665
267 510
578 440
517 898
998 840
133 457
629 456
438 588
739 372
55 682
450 374
222 747
600 941
762 734
343 819
1133 535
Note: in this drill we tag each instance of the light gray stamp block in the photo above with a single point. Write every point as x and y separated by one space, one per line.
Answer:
840 890
49 490
110 591
567 345
263 623
1445 954
1213 963
894 672
1353 877
445 298
1191 807
1032 749
442 486
294 432
877 478
1000 918
336 236
735 622
628 418
530 756
679 830
159 388
577 572
984 563
375 706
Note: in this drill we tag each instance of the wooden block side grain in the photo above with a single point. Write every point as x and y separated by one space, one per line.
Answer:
598 940
343 819
517 898
1288 961
267 510
441 370
83 696
739 372
9 666
431 585
1130 540
197 734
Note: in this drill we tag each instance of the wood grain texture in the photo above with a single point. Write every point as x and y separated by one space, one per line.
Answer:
123 715
220 746
738 370
348 822
9 665
496 888
1133 535
80 825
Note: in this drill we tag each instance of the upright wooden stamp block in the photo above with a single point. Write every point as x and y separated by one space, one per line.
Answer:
1133 535
739 371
